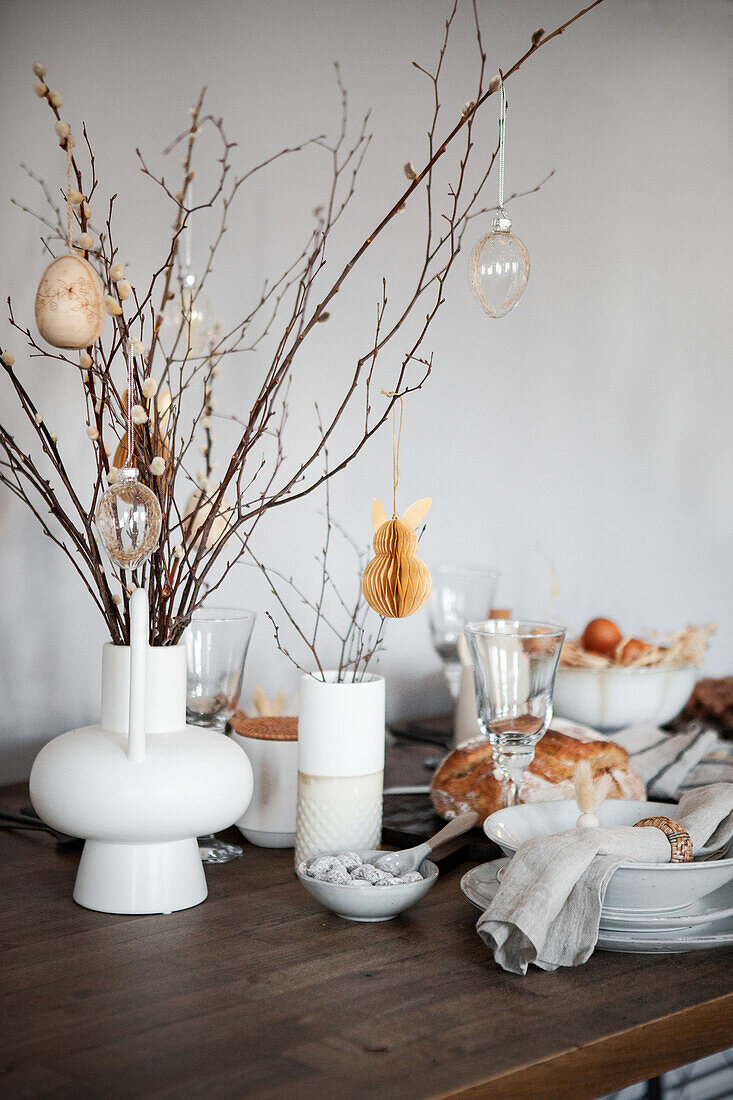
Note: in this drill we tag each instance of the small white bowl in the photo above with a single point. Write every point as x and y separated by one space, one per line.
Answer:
613 698
368 903
650 887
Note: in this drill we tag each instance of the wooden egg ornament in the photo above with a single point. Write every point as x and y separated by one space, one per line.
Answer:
196 515
70 311
396 583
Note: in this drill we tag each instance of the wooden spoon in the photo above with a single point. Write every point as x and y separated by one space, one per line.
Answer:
399 863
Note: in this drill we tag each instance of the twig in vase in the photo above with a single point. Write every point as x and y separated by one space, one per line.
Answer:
344 618
192 559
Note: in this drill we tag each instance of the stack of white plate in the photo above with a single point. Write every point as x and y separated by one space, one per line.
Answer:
649 907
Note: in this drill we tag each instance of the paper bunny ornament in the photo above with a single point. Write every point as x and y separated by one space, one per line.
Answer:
396 583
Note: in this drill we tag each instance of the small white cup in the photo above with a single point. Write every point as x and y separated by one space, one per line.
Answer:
272 747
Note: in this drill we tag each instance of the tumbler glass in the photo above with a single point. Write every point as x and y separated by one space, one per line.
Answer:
217 641
514 665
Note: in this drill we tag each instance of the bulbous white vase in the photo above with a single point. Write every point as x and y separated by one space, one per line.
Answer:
141 806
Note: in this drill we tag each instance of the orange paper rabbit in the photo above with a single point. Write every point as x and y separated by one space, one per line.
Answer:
396 583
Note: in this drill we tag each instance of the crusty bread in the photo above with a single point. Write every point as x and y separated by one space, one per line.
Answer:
465 779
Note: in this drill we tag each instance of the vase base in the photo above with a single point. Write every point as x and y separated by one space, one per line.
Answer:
140 878
213 850
266 838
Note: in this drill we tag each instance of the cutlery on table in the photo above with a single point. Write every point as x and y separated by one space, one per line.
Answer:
30 822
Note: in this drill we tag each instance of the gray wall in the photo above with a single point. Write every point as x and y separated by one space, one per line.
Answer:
585 435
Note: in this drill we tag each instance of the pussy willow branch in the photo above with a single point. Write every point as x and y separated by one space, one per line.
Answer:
256 477
283 361
287 358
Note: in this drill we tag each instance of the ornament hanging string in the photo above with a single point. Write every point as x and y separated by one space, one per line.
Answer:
396 440
69 170
130 379
502 138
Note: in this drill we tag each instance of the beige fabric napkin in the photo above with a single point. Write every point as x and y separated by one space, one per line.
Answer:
671 762
548 906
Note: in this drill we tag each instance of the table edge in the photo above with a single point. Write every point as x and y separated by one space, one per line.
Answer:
587 1071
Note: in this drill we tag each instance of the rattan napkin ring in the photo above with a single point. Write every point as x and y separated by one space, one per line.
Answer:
677 835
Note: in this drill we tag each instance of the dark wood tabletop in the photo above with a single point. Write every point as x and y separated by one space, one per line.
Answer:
260 993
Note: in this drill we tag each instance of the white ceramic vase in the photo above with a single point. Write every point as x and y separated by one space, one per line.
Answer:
140 801
271 744
341 743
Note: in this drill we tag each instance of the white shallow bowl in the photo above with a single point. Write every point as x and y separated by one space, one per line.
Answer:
634 886
613 698
368 903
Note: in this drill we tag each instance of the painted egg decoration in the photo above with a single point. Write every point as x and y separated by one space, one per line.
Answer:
396 583
70 311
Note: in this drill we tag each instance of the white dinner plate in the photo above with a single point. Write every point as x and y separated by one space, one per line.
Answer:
713 907
480 884
701 938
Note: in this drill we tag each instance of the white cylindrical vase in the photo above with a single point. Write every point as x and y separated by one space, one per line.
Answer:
341 743
271 745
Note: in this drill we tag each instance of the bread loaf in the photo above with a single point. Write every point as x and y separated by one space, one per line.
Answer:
465 779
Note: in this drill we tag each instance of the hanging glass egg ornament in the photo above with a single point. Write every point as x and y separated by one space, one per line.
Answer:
499 269
188 321
70 310
129 520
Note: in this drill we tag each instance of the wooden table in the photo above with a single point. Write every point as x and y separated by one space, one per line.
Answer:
260 993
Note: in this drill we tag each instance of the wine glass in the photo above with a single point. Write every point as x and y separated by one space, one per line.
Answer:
459 595
514 665
217 641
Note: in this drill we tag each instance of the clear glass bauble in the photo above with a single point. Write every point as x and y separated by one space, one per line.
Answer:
499 270
129 520
188 324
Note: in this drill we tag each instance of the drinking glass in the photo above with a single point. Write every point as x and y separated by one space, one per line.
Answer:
459 595
514 665
217 641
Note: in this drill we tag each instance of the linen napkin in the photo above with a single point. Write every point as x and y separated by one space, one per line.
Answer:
548 907
671 762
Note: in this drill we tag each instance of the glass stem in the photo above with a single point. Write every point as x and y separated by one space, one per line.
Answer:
453 674
512 762
510 791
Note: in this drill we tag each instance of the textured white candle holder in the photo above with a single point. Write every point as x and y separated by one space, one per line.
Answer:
341 744
141 785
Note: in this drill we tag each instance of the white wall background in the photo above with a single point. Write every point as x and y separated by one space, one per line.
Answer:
588 432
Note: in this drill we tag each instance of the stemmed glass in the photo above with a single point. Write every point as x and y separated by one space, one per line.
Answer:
514 665
217 641
459 595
